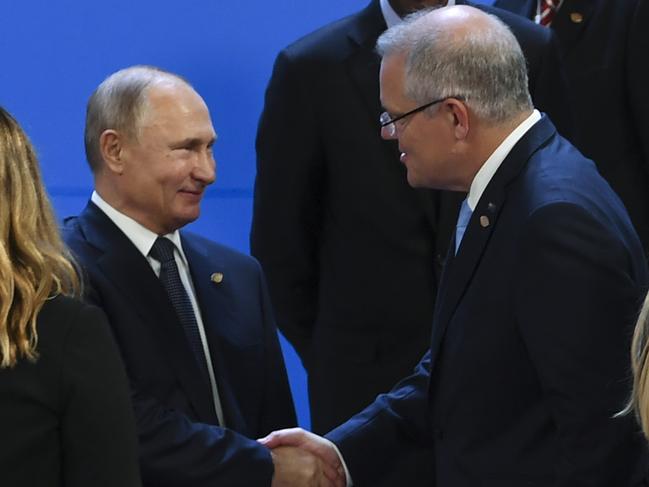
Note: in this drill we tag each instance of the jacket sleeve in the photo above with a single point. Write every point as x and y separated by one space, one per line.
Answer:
277 409
394 425
287 201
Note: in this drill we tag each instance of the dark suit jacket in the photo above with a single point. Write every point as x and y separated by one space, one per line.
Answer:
352 253
605 55
180 442
66 420
529 357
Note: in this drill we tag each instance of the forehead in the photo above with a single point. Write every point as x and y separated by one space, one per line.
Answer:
392 82
176 107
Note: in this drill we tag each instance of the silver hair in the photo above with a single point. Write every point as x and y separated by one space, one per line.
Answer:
119 103
485 66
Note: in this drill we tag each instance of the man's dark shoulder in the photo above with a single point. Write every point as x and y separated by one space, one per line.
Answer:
218 253
73 235
334 41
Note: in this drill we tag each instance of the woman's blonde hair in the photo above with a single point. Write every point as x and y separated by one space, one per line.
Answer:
34 263
640 364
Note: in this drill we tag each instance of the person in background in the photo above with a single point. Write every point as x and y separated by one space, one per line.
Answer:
604 45
528 361
639 402
65 415
192 317
352 253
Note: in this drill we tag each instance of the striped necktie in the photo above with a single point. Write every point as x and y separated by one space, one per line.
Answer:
163 252
547 11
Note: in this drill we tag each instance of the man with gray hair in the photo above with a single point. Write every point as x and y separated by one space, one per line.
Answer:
192 317
528 361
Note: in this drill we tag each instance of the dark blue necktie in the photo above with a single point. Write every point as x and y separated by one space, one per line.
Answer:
163 252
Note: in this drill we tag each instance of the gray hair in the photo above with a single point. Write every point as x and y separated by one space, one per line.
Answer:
119 103
485 66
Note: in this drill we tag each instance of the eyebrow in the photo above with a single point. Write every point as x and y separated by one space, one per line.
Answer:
192 142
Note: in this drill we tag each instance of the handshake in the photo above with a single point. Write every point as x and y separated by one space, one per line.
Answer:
303 459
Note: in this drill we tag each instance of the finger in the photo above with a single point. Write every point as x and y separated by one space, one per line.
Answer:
334 475
286 437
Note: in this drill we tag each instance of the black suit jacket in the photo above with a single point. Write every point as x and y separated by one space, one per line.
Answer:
604 45
66 420
529 360
180 442
352 253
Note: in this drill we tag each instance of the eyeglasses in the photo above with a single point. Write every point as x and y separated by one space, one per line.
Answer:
390 124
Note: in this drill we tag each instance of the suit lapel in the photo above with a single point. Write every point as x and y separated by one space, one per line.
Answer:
461 268
133 278
219 320
363 63
363 66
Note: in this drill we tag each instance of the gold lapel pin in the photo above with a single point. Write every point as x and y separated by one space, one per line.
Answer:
576 17
484 221
217 278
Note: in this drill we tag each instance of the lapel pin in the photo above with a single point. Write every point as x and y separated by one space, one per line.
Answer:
484 221
217 278
491 208
576 17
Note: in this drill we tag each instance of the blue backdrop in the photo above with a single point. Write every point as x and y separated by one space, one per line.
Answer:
56 53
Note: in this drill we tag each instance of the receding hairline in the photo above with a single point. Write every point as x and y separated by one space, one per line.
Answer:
120 102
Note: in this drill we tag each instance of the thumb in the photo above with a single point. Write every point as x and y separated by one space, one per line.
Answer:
285 437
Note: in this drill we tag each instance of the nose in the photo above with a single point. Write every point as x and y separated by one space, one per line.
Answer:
205 167
389 132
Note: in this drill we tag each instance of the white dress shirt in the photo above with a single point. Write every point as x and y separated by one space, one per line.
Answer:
143 239
491 165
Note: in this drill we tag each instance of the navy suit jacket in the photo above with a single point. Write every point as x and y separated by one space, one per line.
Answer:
180 442
351 251
529 357
604 45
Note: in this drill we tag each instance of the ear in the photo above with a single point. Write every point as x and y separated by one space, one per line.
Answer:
112 148
460 115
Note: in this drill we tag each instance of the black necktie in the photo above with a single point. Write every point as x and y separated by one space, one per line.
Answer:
163 252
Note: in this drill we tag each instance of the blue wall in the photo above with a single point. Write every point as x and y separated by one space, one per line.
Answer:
56 53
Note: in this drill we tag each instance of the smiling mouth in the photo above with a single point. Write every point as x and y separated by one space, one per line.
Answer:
193 192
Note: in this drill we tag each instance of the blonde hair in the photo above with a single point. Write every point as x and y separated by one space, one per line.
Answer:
34 263
639 402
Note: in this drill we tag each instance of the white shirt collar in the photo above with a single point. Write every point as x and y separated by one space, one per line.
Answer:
391 17
491 165
140 236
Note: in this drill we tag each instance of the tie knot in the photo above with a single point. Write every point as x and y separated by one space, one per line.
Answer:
162 250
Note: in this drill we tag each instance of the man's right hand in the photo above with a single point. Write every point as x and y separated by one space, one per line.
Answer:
315 463
295 467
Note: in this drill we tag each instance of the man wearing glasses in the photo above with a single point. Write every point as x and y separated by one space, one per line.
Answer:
529 357
352 253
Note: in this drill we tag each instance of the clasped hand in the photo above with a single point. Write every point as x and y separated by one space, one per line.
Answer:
303 459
